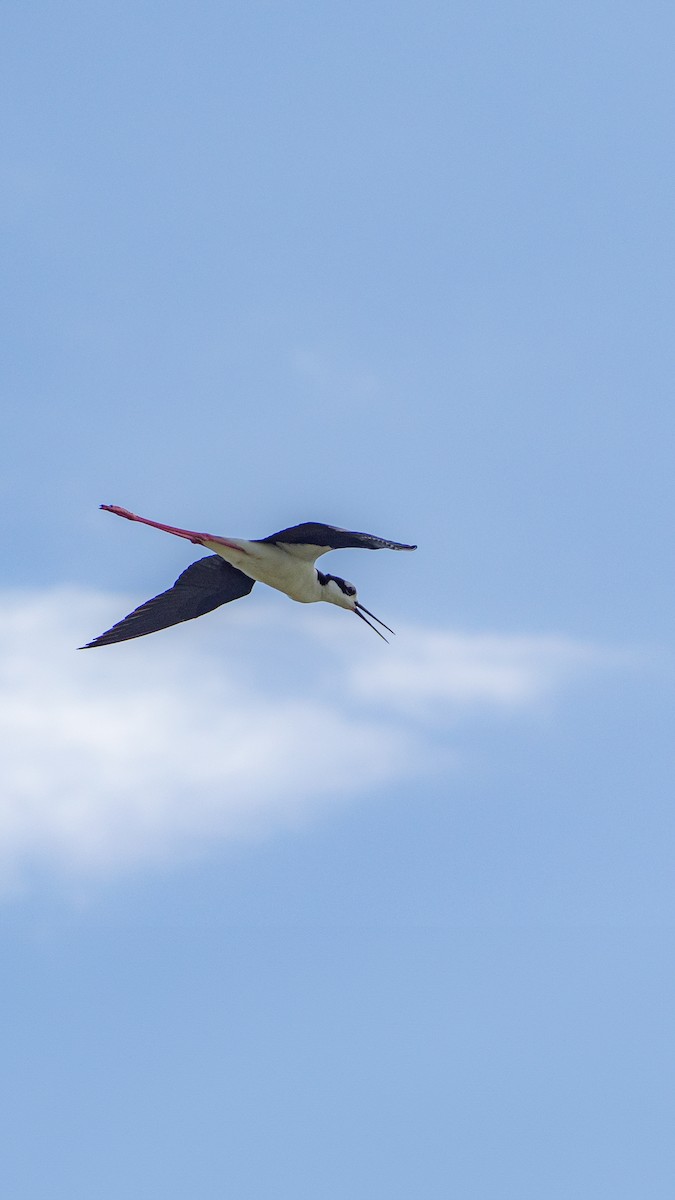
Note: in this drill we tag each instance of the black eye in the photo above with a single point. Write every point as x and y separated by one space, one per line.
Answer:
351 591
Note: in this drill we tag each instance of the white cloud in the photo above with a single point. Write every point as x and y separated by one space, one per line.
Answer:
152 749
472 670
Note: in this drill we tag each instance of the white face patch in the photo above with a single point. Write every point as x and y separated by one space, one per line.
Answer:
337 590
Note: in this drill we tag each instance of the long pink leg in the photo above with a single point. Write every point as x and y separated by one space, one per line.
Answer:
190 534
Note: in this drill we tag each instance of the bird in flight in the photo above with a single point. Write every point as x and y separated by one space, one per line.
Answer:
284 560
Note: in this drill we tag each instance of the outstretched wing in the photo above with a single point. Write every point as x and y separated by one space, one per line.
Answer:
312 539
205 585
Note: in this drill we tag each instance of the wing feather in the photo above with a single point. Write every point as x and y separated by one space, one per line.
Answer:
203 586
312 539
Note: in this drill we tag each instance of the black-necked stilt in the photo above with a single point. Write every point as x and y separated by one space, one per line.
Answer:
284 560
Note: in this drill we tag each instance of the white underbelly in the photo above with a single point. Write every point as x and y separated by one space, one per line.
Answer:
275 567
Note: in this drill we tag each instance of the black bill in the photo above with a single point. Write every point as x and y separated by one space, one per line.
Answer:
360 610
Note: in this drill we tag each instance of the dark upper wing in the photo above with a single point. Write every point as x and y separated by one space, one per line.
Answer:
205 585
319 539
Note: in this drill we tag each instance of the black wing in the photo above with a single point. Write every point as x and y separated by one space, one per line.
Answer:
330 537
205 585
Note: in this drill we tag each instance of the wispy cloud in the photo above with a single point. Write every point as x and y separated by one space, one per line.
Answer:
472 671
150 750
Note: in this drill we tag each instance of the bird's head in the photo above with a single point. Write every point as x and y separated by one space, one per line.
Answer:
341 592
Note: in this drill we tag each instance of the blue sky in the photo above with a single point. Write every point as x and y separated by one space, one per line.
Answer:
286 911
